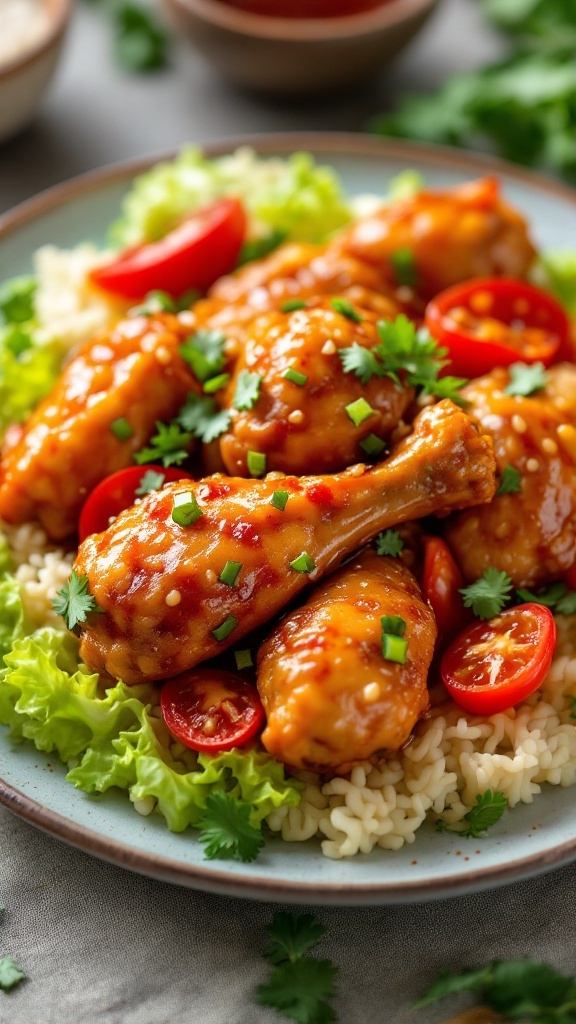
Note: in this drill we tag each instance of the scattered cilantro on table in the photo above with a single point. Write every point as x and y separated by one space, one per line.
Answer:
299 986
488 809
140 42
10 973
226 829
488 594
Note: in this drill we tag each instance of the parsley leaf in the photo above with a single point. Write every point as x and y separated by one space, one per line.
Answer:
204 353
489 808
389 543
488 594
298 985
510 481
557 597
361 361
151 481
526 378
227 832
168 446
247 389
10 973
74 602
203 418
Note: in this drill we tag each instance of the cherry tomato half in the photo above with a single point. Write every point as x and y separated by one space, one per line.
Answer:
495 322
191 256
117 492
441 583
496 664
209 709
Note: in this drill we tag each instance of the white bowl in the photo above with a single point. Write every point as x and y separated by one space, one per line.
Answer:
24 79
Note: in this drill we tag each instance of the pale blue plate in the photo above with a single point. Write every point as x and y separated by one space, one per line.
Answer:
525 842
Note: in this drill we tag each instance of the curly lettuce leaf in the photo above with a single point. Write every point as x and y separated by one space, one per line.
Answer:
286 199
11 610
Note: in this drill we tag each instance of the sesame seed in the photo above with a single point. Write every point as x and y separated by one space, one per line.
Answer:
371 692
296 417
549 446
163 355
567 438
173 598
187 318
532 465
328 348
211 576
519 424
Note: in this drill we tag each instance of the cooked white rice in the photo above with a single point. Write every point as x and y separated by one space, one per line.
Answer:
68 309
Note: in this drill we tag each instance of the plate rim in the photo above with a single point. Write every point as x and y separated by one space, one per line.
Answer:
197 876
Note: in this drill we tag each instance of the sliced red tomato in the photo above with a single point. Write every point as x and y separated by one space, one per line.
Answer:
117 492
490 322
441 585
209 709
192 256
496 664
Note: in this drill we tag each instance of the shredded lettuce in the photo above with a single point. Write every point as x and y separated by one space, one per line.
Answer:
557 271
289 198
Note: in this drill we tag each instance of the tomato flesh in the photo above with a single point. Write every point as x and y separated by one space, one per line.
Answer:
192 256
441 585
494 665
496 322
210 709
116 493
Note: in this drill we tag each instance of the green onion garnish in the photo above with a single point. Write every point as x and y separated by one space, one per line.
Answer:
243 659
216 383
291 305
225 628
303 563
346 309
394 624
372 445
359 411
279 499
186 509
404 267
121 428
394 648
230 573
296 377
256 462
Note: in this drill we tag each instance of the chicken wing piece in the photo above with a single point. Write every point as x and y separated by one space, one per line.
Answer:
300 423
454 235
331 699
132 373
530 534
165 608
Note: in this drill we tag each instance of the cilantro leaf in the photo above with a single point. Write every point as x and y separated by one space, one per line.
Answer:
151 481
299 990
510 481
488 594
489 808
526 378
292 935
557 597
17 297
450 983
203 418
389 543
74 602
227 831
169 445
10 973
247 389
204 353
361 361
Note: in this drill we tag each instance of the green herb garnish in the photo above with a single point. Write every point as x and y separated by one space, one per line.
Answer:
154 302
203 418
247 389
151 481
557 597
226 829
488 594
394 648
359 411
17 299
291 305
280 499
230 573
372 446
304 563
298 986
121 429
404 268
74 602
204 353
295 377
168 446
243 659
510 481
393 624
186 509
526 378
216 383
488 809
346 309
10 974
389 543
225 628
256 463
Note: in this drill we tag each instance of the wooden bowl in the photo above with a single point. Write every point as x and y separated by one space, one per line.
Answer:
298 56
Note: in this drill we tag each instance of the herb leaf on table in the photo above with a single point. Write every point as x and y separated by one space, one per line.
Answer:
140 42
10 973
298 986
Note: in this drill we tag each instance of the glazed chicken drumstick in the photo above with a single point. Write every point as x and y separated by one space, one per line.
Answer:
331 698
163 604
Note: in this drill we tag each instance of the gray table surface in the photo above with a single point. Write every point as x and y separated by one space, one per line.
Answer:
103 946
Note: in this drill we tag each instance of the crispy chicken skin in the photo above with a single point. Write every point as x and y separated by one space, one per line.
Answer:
134 372
157 583
530 535
307 429
331 700
454 235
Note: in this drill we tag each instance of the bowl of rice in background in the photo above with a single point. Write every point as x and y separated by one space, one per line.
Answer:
31 36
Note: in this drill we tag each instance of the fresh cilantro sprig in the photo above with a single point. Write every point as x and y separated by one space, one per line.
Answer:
247 389
389 543
10 973
488 594
140 42
557 597
299 986
203 418
204 353
227 831
74 602
510 481
169 445
488 809
525 379
525 989
151 481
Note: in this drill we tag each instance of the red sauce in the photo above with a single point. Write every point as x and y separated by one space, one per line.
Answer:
305 8
320 494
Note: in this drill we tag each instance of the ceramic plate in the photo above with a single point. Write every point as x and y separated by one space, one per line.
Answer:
530 840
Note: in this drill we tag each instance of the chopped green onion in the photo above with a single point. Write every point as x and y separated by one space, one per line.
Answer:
359 411
303 563
393 624
122 429
225 628
151 481
291 305
256 462
404 267
230 573
243 659
346 309
394 648
296 377
279 499
186 509
216 383
372 446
